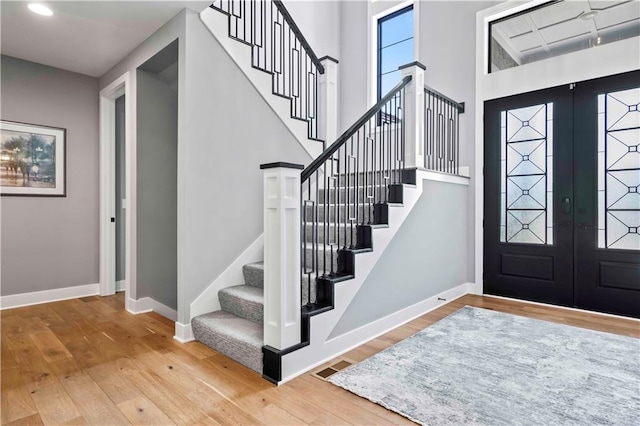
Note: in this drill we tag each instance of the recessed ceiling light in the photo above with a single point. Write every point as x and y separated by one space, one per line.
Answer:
589 15
40 9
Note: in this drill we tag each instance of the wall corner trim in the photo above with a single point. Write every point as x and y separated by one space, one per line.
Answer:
184 333
147 304
37 297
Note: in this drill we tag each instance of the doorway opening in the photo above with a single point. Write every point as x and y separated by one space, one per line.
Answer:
157 180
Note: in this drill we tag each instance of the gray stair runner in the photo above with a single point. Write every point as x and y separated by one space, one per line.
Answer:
237 338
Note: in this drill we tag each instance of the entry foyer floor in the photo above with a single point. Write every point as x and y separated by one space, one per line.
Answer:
88 361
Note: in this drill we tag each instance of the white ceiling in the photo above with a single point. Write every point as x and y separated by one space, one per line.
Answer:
88 37
558 28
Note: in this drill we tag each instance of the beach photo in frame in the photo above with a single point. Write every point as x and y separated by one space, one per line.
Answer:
32 160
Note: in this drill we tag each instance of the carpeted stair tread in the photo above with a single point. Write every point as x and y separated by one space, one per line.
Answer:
245 301
235 337
254 274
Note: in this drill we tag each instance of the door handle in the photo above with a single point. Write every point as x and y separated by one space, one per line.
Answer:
566 205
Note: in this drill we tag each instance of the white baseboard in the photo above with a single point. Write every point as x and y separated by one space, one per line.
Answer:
46 296
120 285
345 342
147 304
184 333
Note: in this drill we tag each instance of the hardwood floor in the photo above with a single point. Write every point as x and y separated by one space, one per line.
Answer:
88 361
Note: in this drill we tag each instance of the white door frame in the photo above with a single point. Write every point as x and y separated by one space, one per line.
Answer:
108 95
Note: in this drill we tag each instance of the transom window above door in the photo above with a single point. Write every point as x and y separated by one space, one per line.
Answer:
394 47
558 27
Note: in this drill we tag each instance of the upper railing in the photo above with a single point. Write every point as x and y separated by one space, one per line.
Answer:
279 48
441 132
347 185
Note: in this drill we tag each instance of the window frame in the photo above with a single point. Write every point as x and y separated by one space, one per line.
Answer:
378 10
381 20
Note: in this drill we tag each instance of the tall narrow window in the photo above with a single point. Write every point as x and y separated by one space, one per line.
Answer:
395 47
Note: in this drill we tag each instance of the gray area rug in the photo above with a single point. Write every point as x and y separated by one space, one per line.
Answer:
477 366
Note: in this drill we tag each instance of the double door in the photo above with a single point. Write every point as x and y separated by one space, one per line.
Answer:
562 195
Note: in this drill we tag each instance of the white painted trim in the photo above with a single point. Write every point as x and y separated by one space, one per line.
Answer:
108 95
566 308
208 300
120 285
147 304
184 333
281 215
367 332
46 296
444 177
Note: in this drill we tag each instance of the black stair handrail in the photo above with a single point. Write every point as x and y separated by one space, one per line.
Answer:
351 131
298 33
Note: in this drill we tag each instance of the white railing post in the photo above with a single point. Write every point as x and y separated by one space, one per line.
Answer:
414 115
282 312
328 101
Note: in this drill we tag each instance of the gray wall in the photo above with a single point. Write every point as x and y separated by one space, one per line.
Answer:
120 189
230 131
319 21
426 257
449 53
353 68
157 150
50 243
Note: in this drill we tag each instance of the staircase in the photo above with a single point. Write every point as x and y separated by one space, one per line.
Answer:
348 192
236 330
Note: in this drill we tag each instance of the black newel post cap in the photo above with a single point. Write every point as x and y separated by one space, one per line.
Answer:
410 64
281 164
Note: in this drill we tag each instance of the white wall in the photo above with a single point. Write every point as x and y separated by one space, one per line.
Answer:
601 61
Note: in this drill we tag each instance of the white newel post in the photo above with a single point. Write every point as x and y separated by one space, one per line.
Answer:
282 327
328 101
414 115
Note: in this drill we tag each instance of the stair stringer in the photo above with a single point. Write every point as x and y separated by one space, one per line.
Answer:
218 25
321 348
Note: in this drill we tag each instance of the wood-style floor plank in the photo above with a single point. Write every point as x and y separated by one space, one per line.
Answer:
88 361
14 397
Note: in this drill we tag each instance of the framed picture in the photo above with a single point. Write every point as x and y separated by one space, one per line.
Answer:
32 160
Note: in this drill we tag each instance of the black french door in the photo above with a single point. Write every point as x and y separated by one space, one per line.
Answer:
562 195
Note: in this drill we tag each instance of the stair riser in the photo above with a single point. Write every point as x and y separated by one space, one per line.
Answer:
253 276
242 308
322 257
228 343
331 237
362 194
334 213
